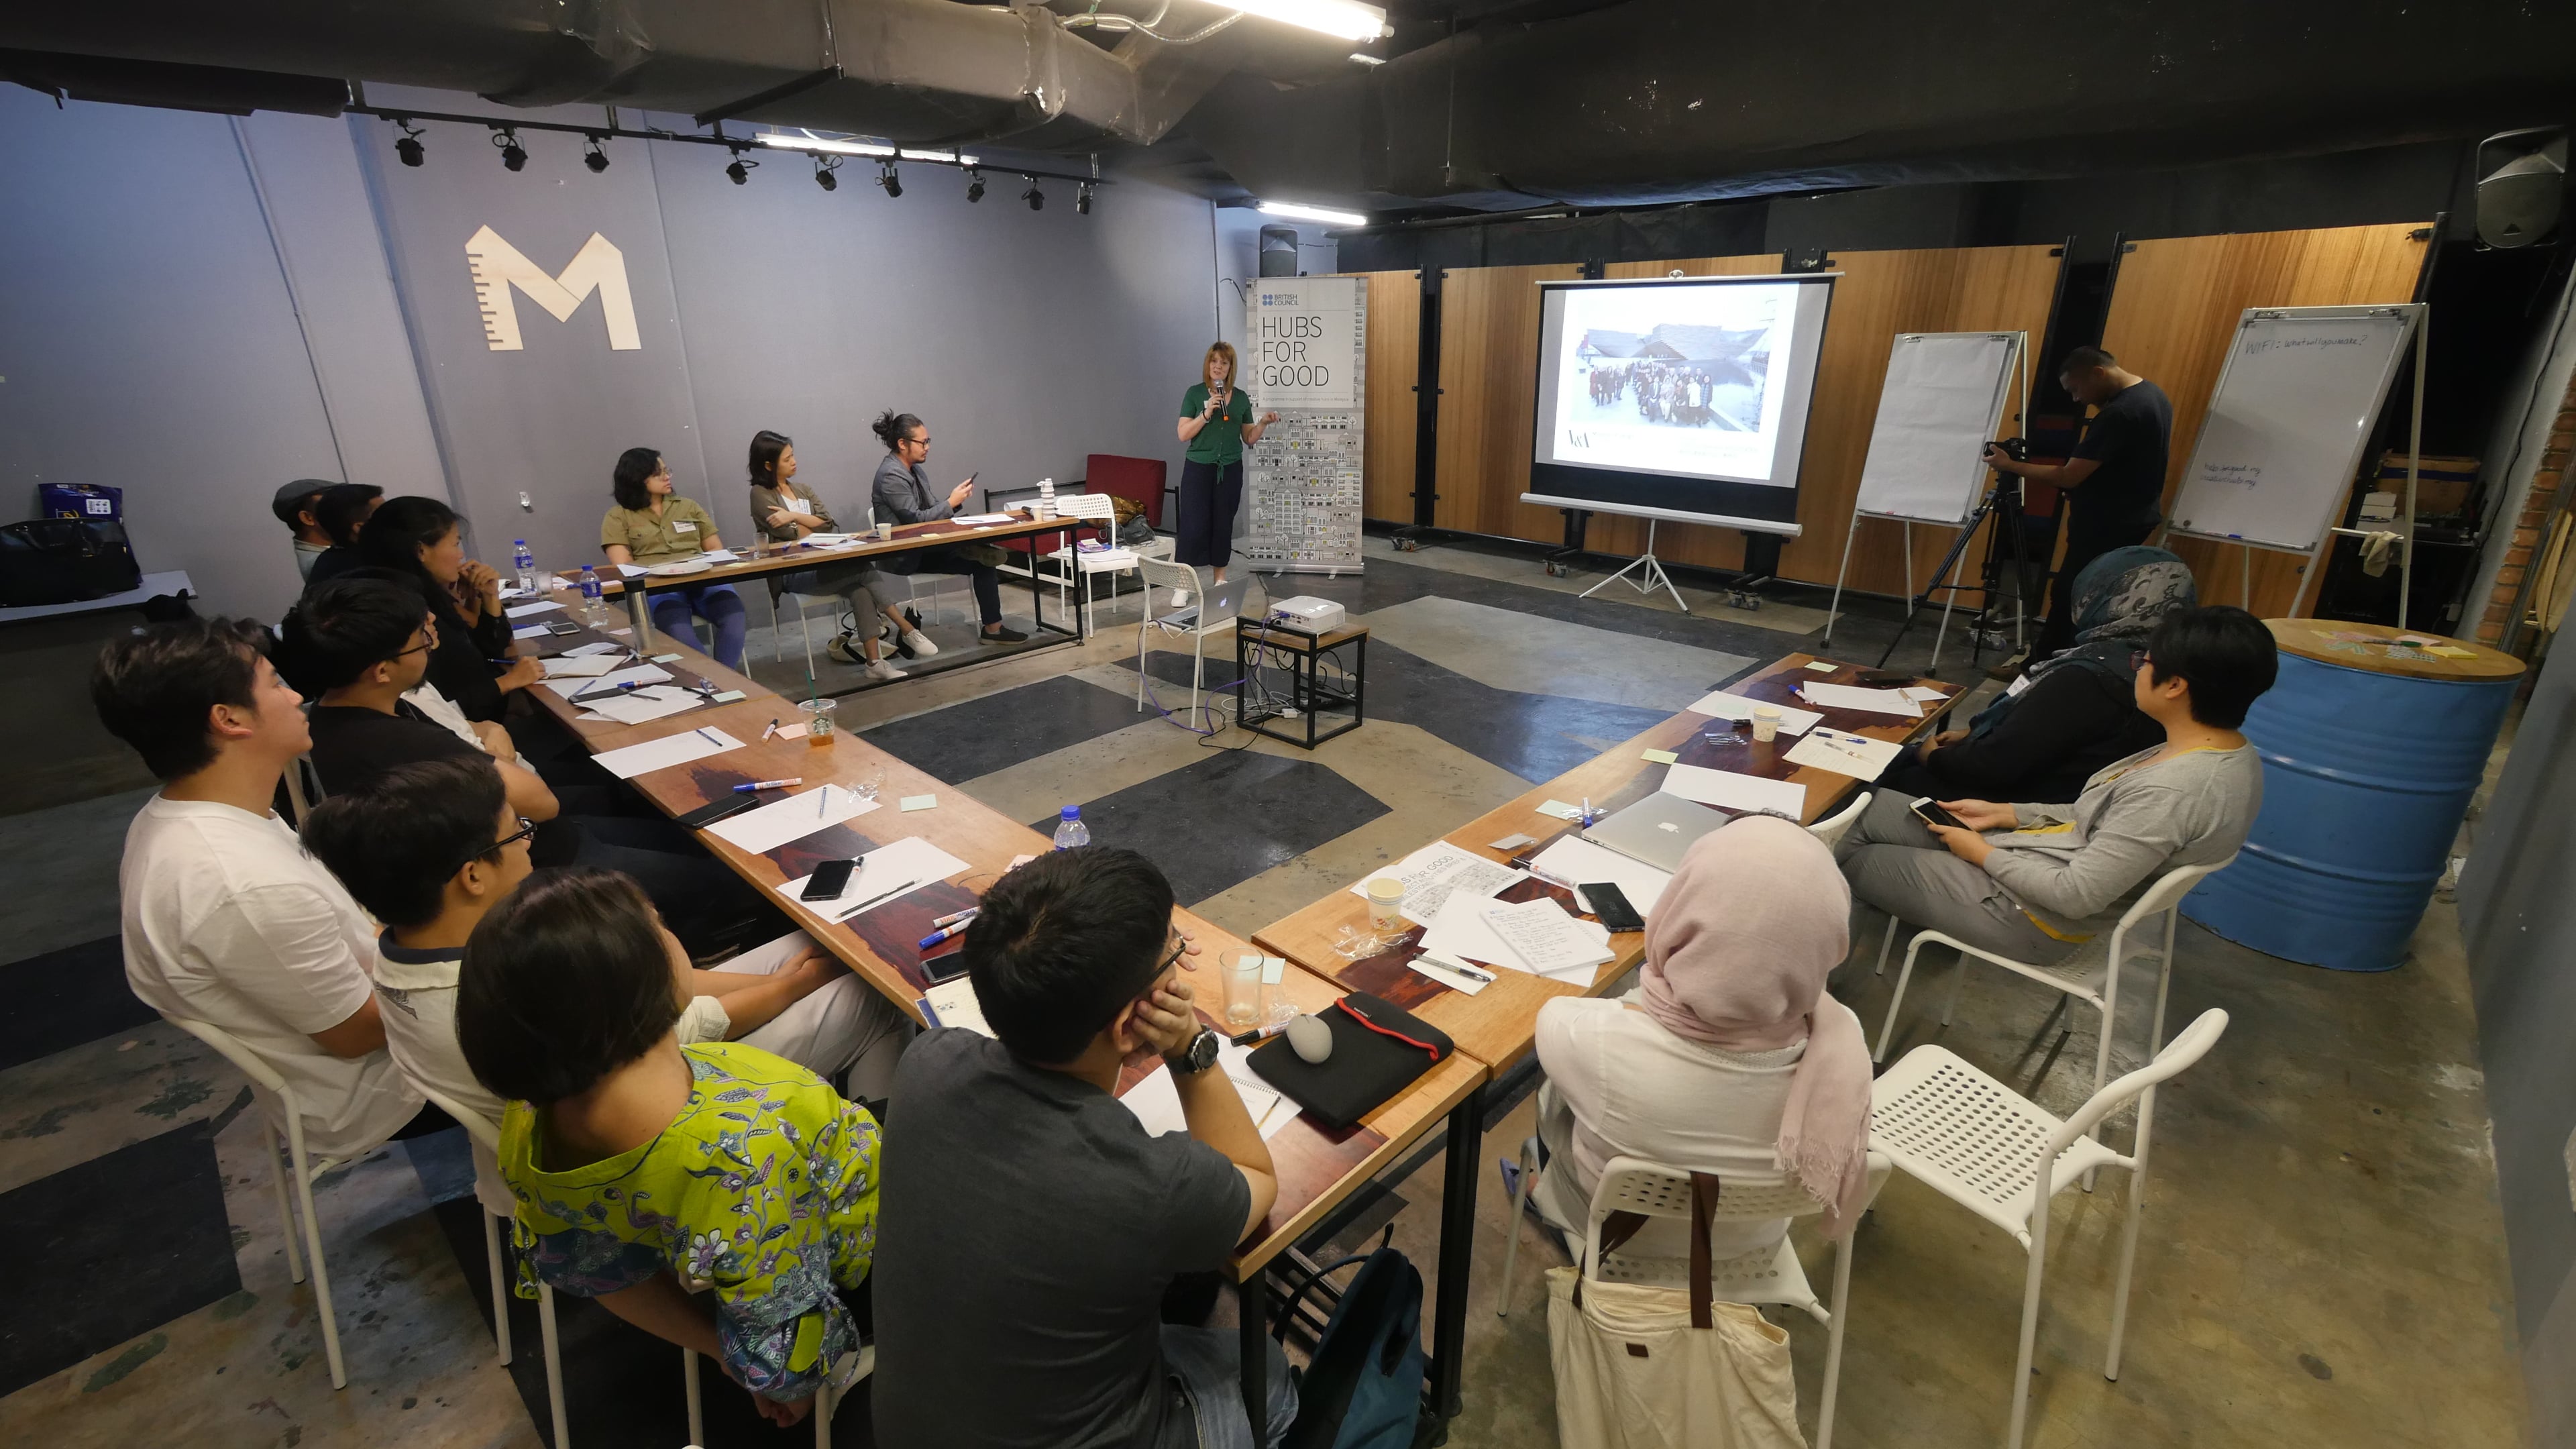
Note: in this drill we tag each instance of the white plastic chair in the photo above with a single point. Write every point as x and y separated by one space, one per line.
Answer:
1989 1149
487 1133
1772 1275
1102 510
1160 575
1831 831
256 1067
2091 975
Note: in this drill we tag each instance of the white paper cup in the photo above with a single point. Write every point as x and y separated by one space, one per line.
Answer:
1766 723
1386 904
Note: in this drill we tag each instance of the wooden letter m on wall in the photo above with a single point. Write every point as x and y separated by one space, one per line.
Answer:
597 267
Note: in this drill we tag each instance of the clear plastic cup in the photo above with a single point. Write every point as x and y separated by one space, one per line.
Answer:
1386 905
1766 723
818 720
1243 989
868 783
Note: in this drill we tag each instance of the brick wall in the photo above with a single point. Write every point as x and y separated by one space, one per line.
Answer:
2536 508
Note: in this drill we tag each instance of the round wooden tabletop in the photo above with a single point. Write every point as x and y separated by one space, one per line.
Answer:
2380 649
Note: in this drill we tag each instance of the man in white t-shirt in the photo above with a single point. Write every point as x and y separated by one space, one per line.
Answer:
226 919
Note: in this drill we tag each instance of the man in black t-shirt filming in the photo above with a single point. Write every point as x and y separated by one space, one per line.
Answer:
2115 480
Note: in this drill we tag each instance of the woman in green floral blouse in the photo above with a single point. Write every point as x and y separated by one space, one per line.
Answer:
715 1195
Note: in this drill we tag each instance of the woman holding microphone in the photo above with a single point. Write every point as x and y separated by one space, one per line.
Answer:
1217 423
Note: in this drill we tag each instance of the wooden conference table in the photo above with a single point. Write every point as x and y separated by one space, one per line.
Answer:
1317 1168
776 558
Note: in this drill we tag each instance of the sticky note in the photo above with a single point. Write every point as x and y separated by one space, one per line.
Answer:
1559 809
1274 969
2450 651
1661 757
729 696
795 731
1823 666
1513 841
663 658
920 802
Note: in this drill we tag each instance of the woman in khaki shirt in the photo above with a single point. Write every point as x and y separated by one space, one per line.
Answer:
650 525
785 513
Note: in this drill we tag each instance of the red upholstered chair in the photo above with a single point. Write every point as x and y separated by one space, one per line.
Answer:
1139 480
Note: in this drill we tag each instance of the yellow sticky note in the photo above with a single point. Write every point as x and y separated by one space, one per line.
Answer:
2450 651
1663 757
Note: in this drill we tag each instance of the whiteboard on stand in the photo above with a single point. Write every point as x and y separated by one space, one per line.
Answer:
1944 400
2288 422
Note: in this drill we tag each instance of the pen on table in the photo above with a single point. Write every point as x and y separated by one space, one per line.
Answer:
1463 969
944 932
701 733
758 785
620 687
953 917
773 729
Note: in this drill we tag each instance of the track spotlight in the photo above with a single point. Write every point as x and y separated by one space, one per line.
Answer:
596 155
974 186
824 166
1034 197
886 178
513 155
740 170
409 148
1082 200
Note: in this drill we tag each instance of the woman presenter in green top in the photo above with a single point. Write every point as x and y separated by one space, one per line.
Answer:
1217 423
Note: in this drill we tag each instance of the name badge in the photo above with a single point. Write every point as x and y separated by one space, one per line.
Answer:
684 527
799 505
2018 686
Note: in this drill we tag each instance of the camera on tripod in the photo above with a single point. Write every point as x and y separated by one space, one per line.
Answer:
2017 449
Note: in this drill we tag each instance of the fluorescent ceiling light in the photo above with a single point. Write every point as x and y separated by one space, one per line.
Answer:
946 157
1346 18
788 142
1313 213
1366 59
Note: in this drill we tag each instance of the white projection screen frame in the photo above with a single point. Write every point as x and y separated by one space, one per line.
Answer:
1684 399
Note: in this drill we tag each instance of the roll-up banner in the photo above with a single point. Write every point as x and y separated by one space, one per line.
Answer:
1307 344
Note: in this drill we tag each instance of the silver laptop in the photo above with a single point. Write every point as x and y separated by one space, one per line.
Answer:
1218 602
1657 829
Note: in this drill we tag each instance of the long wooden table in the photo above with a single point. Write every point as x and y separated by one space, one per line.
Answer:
1317 1168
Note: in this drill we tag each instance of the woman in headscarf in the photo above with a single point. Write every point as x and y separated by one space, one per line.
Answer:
2072 713
1731 1058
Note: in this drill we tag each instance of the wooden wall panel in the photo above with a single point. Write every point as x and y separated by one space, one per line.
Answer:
2174 309
1394 350
1488 367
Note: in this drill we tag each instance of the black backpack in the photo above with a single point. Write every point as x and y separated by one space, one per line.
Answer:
1363 1388
65 560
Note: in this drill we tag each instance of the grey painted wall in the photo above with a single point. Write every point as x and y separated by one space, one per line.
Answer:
2520 923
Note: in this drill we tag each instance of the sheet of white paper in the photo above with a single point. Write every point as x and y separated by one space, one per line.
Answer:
643 706
794 818
1545 938
1437 870
1156 1101
887 873
597 646
1464 934
1923 693
1876 701
633 674
580 666
1728 790
1858 756
1577 861
1443 972
1722 705
719 556
953 1003
977 520
630 571
521 611
1271 1108
530 631
678 749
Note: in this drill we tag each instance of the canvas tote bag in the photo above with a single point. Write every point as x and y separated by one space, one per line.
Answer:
1640 1367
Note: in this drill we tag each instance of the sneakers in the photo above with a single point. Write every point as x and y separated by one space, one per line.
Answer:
918 644
846 650
880 669
1002 635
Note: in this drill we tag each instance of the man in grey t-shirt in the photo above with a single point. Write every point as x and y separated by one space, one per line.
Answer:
1028 1225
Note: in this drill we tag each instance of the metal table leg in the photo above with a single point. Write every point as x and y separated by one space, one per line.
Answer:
1457 1253
1251 1305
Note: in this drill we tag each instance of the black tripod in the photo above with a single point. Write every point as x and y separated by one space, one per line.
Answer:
2002 508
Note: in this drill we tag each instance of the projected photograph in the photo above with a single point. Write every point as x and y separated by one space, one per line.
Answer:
1681 379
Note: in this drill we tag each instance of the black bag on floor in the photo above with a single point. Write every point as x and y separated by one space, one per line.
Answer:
63 561
1363 1388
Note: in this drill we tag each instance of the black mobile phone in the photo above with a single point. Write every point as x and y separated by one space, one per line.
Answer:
828 881
946 967
1932 814
709 814
563 626
1885 679
1611 904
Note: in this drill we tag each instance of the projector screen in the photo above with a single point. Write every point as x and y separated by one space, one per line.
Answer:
1683 399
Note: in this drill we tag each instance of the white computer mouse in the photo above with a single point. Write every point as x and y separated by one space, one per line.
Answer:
1310 1039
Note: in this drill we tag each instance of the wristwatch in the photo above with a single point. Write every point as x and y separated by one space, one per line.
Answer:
1198 1056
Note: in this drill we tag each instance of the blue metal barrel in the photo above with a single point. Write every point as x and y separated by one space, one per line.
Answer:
2371 752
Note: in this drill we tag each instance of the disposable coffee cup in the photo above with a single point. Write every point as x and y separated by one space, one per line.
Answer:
1386 904
1766 723
885 532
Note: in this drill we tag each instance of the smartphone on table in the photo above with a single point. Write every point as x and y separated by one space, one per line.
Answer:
828 881
1931 813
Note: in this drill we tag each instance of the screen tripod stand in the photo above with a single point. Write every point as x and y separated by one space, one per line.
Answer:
2000 509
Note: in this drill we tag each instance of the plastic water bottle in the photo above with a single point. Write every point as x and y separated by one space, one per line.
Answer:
1069 830
591 605
527 565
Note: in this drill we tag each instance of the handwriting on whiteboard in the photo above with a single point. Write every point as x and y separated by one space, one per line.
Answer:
2275 343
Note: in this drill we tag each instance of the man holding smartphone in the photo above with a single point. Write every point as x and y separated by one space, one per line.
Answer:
902 494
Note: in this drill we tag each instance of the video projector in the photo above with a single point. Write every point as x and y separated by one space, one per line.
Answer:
1308 614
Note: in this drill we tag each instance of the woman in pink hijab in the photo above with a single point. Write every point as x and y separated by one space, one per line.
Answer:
1730 1058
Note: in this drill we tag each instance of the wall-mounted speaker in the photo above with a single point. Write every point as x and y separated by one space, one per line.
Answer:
1279 251
2522 186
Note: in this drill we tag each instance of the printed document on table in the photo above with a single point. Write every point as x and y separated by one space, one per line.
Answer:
885 874
978 520
1576 862
1858 756
521 611
1545 939
581 666
1722 705
1728 790
661 754
643 706
1435 872
1876 701
606 683
799 815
